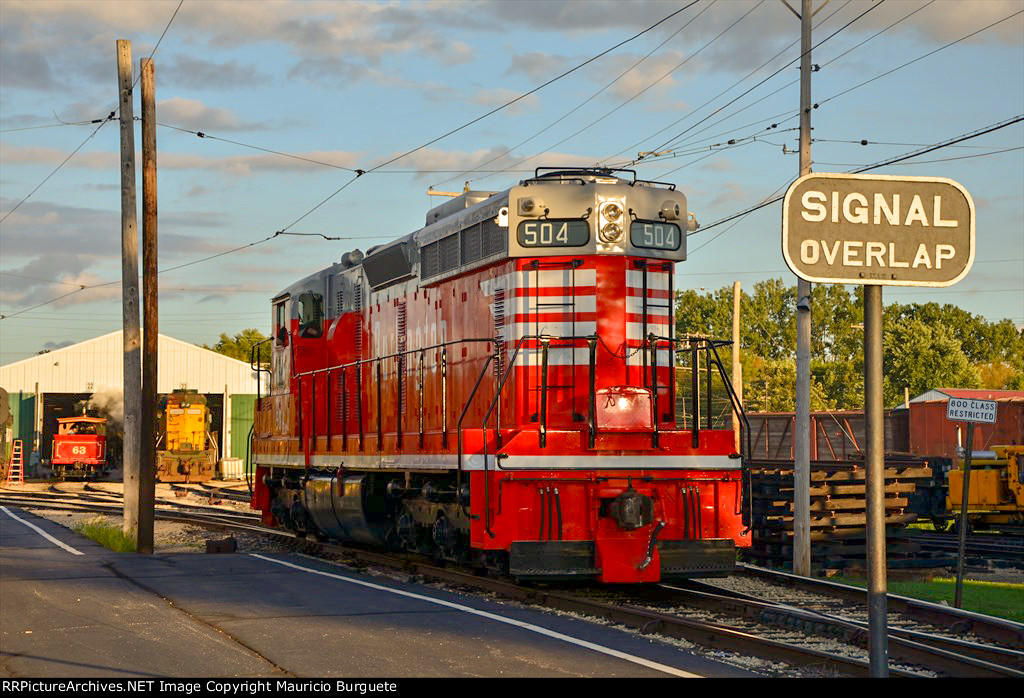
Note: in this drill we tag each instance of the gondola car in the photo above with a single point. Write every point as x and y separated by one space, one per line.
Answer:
500 387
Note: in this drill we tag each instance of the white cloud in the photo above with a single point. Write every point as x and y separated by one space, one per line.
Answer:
193 114
496 96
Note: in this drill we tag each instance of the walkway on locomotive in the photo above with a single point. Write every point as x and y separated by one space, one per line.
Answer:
570 273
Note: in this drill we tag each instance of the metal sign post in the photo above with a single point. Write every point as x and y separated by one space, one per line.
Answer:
874 464
970 411
877 230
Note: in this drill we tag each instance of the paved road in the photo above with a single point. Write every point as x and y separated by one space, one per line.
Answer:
106 614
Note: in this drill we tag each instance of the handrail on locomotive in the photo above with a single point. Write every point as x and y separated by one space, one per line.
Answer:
696 344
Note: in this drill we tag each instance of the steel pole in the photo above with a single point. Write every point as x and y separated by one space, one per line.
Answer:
958 597
874 461
737 367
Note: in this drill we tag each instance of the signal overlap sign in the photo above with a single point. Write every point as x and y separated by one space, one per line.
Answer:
878 229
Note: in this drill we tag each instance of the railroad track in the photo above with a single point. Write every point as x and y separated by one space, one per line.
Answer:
1003 547
829 643
945 654
112 504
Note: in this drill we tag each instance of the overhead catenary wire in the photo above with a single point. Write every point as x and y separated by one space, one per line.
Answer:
478 169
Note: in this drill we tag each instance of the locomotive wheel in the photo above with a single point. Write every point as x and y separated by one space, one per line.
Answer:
940 523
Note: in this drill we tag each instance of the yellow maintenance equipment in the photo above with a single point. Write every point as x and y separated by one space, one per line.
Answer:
996 492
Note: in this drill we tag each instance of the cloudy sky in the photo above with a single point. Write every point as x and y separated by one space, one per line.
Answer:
295 96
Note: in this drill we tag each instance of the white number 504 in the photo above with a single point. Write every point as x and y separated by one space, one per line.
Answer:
540 233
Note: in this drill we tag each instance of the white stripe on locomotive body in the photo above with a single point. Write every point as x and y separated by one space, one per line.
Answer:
510 462
659 313
657 280
557 356
528 305
525 299
530 309
655 306
554 278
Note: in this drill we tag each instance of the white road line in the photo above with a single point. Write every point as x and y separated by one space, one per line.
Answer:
510 621
43 533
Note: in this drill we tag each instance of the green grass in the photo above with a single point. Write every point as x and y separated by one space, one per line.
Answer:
1000 599
106 534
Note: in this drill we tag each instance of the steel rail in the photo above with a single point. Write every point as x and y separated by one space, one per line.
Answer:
55 501
998 630
950 656
710 635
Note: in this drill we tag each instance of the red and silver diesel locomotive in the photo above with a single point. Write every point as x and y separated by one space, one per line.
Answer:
501 387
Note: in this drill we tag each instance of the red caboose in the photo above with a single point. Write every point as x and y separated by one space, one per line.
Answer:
506 385
79 447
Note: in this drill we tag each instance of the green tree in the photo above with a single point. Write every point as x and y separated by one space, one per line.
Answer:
768 328
927 345
837 317
240 346
770 386
923 356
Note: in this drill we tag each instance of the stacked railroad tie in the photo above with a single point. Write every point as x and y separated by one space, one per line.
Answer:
838 509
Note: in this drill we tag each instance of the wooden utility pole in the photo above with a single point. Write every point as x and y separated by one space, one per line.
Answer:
802 421
129 293
151 325
737 367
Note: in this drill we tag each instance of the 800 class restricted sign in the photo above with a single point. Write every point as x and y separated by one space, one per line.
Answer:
878 229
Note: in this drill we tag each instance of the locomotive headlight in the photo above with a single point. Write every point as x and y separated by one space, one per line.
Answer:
611 232
611 211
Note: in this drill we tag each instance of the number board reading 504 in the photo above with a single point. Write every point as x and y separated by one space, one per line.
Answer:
547 233
658 236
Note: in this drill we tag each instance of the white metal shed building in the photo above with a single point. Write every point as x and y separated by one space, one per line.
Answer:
57 383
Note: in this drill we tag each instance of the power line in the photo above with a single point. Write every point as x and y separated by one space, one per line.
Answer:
723 92
883 74
884 163
359 173
109 118
536 89
56 169
941 48
203 134
62 123
925 162
623 104
793 82
784 67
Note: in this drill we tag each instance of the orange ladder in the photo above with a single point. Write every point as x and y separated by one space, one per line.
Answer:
16 468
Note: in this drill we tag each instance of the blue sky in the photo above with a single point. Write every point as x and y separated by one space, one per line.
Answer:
355 84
